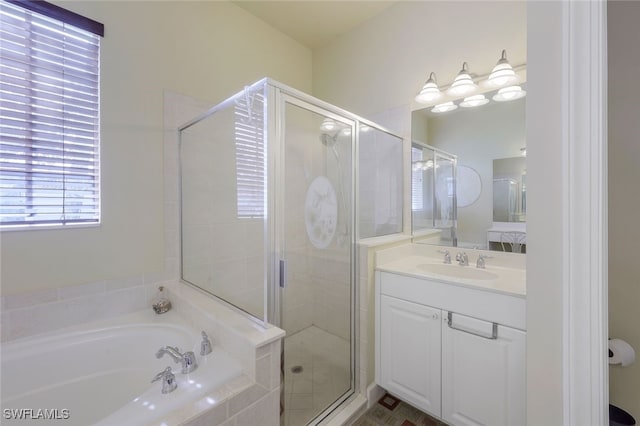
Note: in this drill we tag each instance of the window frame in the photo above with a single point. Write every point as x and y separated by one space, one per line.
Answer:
43 10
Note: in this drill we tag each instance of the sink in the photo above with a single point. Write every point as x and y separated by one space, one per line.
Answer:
457 271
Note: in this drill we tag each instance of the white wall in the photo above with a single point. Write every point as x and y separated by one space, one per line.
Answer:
207 50
624 197
545 174
384 62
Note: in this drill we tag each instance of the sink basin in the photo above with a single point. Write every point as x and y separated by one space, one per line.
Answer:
457 271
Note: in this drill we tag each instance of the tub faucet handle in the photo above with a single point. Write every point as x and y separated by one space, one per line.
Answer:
480 263
169 383
447 256
205 345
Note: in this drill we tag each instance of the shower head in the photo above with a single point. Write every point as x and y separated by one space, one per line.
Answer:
328 140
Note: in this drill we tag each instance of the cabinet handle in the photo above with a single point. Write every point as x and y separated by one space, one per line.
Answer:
492 336
435 316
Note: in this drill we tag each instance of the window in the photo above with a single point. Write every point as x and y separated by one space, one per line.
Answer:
250 155
49 115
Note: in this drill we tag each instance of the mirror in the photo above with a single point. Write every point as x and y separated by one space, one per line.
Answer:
509 190
479 138
433 195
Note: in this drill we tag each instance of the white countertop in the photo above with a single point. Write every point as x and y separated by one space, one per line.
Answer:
508 280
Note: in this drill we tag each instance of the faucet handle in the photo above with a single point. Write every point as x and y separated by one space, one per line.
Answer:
480 263
447 256
169 383
205 345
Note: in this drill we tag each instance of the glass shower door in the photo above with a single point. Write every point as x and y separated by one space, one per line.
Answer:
317 249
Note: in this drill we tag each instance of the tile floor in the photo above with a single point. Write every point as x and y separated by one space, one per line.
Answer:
390 411
325 375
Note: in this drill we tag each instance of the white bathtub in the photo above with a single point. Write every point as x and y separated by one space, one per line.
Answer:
101 373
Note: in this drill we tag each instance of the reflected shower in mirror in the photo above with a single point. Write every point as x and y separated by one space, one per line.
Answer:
509 190
433 195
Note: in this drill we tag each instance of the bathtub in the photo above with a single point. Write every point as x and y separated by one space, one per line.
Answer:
100 373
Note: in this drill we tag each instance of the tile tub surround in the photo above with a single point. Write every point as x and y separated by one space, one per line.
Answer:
28 314
252 399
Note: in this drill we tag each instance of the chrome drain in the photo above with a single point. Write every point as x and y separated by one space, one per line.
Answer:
297 369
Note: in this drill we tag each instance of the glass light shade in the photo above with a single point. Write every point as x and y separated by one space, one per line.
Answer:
510 93
502 73
364 128
445 107
430 91
328 125
474 101
346 131
463 83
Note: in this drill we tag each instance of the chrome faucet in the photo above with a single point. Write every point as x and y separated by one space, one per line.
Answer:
462 259
480 263
447 256
169 383
188 359
205 345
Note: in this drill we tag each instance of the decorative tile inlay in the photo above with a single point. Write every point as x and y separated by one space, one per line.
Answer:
390 411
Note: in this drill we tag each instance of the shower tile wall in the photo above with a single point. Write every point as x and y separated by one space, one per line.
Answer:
381 176
222 253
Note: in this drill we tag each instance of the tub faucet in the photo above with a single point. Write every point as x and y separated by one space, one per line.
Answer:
188 359
169 383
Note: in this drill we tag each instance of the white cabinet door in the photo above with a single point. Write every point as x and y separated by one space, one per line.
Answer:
483 379
410 352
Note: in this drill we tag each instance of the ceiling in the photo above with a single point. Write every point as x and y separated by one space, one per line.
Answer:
314 23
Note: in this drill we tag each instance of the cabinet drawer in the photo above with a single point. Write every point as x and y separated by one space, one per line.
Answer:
487 305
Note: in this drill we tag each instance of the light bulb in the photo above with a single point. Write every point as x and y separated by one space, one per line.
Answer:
474 101
328 125
502 73
463 83
445 107
430 91
510 93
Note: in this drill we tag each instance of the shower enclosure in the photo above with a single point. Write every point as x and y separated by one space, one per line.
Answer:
269 225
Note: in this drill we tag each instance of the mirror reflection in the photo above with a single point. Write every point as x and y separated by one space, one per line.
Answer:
489 145
433 195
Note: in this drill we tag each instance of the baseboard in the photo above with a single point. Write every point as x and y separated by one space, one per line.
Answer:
374 393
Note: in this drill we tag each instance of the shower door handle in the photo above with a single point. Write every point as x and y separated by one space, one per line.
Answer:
283 273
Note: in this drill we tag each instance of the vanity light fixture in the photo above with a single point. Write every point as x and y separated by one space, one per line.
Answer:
346 131
328 125
364 128
474 101
445 107
502 73
430 91
510 93
463 83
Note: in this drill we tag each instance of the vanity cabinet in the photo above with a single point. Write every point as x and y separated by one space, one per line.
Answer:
440 348
483 377
410 337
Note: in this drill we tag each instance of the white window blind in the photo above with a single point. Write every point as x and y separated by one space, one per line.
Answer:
49 120
250 156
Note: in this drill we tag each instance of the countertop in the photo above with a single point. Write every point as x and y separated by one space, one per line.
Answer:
510 281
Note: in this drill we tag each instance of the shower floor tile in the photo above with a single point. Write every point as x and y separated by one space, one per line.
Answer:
322 364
